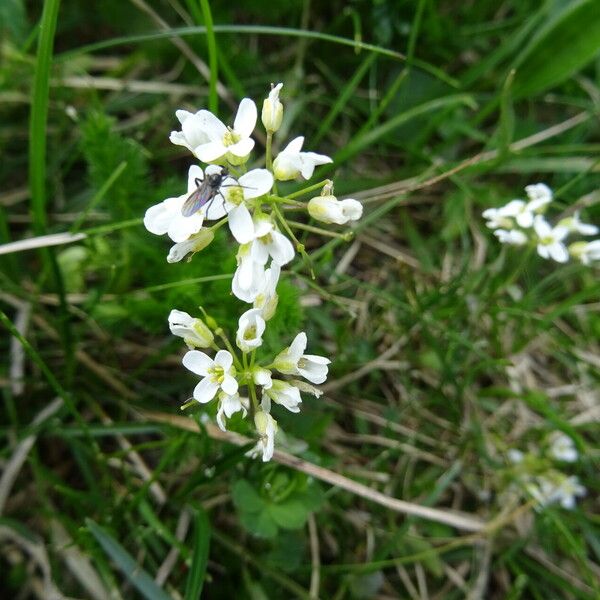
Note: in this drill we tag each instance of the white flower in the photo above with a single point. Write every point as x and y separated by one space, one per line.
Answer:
192 132
193 331
518 210
568 491
291 162
217 374
539 195
272 110
496 220
249 277
575 225
550 240
563 448
268 241
262 377
167 217
195 243
586 252
555 487
293 361
251 327
267 298
515 456
328 209
284 393
252 184
224 143
228 405
306 387
266 427
513 237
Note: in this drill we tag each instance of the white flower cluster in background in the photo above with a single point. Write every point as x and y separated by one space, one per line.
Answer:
539 478
521 223
226 192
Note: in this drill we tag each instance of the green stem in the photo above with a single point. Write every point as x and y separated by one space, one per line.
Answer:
213 63
346 236
278 199
299 245
310 188
229 347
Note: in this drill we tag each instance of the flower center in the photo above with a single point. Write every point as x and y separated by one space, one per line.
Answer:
230 138
547 241
250 333
217 374
266 239
235 195
302 363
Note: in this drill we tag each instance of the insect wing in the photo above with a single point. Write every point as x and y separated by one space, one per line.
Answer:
197 199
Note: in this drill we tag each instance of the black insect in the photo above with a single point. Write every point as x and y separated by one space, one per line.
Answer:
204 194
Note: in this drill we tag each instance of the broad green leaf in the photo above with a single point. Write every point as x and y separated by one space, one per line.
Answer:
127 564
260 524
245 497
567 42
197 573
290 514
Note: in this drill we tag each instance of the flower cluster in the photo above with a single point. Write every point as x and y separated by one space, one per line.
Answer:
536 476
521 223
226 192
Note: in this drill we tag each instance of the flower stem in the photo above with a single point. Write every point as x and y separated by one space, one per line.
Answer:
229 347
299 245
346 236
308 189
268 151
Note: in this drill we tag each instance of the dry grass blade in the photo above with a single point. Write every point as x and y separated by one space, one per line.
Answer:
460 521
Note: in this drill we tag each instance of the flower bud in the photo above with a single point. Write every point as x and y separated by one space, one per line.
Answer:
272 110
328 209
194 331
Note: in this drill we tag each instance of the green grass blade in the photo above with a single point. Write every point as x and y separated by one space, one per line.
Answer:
126 563
567 42
39 116
213 63
197 573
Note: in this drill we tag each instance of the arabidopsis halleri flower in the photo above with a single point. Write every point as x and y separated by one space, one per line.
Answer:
568 491
291 162
539 195
225 143
266 427
268 241
555 487
515 456
194 331
272 110
252 184
251 327
262 377
586 252
293 361
575 225
563 448
496 220
513 237
192 132
217 374
328 209
267 298
284 393
195 243
167 217
550 240
228 405
249 277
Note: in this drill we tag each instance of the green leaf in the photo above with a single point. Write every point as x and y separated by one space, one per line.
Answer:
126 563
260 524
246 498
195 580
290 514
565 44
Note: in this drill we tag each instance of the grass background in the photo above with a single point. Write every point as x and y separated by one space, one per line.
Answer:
448 349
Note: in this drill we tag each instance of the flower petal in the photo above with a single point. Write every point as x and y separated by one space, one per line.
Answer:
229 384
241 148
281 249
210 151
241 225
205 390
245 119
197 362
256 183
224 359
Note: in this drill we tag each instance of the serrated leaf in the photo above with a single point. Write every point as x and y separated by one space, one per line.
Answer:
138 577
565 44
